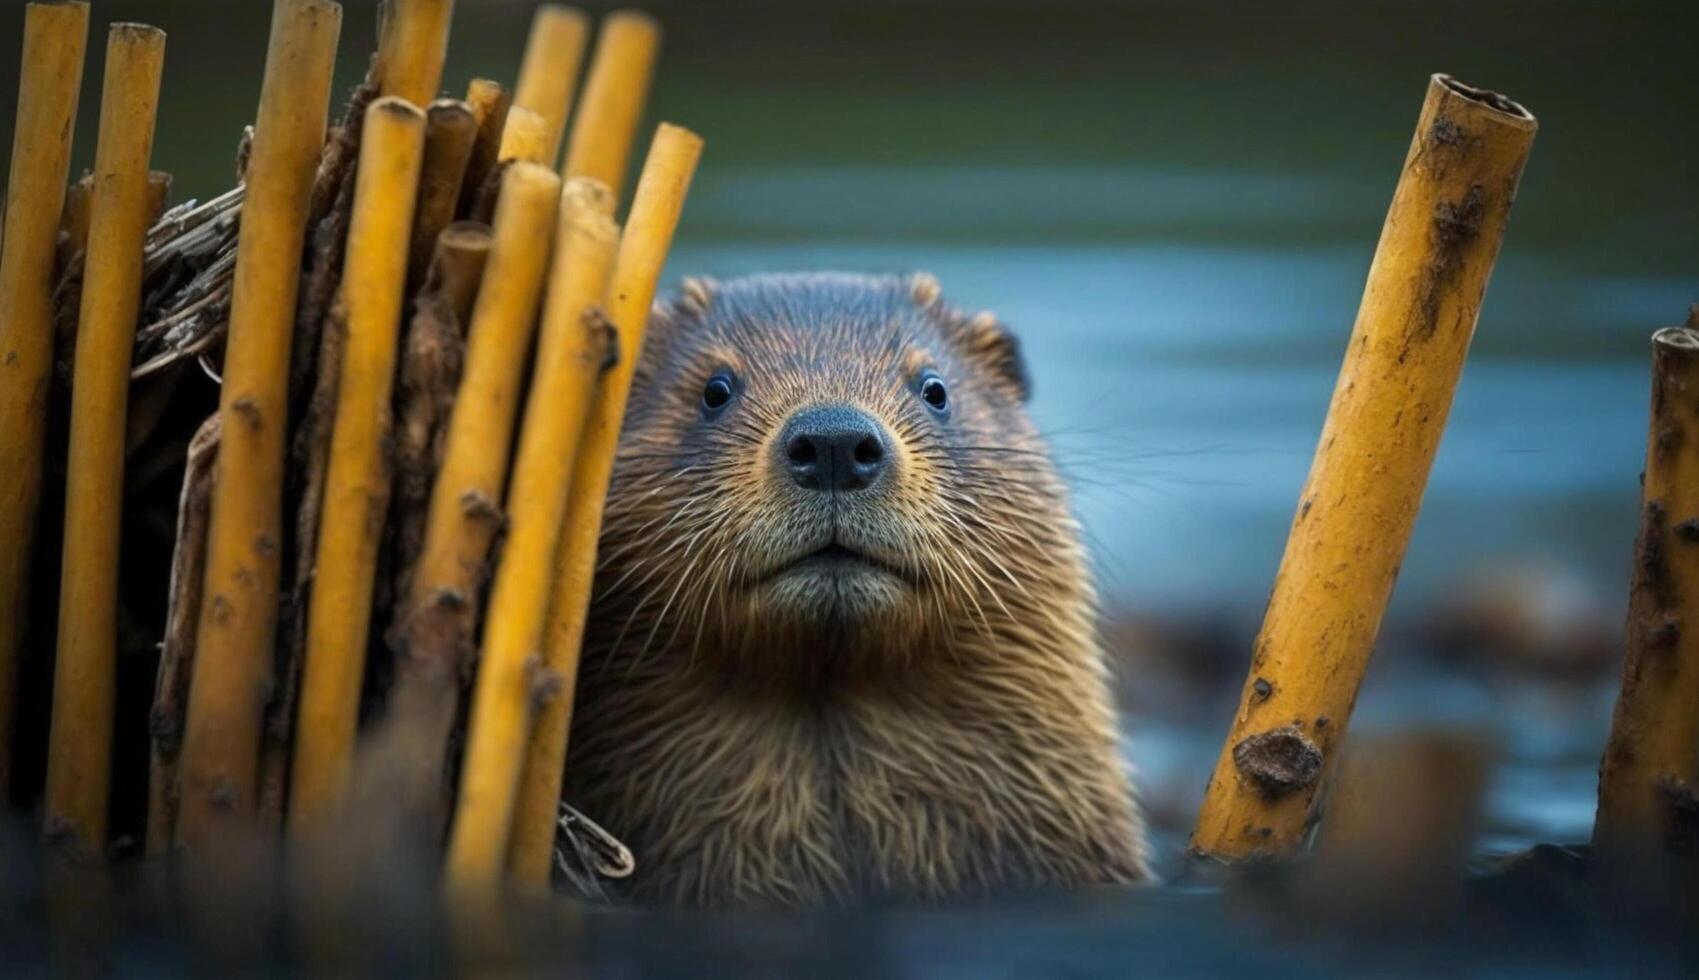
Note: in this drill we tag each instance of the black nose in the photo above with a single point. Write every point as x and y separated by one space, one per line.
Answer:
833 447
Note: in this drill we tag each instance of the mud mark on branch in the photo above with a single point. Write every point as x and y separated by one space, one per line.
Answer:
543 683
1455 225
1279 761
1444 144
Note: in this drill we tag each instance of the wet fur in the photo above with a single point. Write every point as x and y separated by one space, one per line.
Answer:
950 736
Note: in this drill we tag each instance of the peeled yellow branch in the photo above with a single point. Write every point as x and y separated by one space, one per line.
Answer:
613 99
642 253
356 494
413 47
548 74
54 36
464 510
1354 519
236 636
572 349
79 755
1649 779
451 129
525 137
490 103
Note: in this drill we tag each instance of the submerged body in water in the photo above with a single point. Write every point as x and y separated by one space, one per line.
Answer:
843 642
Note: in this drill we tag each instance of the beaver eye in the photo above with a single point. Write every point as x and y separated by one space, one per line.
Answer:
717 393
933 392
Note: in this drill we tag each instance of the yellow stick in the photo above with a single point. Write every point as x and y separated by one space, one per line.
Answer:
613 99
235 640
642 253
572 348
1650 772
525 137
356 494
464 516
490 103
1365 486
54 36
413 47
548 74
79 753
451 129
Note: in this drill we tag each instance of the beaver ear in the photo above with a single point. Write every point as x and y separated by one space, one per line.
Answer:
985 338
924 289
695 295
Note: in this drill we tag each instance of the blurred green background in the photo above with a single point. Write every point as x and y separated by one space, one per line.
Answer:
1175 204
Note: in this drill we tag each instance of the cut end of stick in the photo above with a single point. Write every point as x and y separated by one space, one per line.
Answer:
588 194
452 112
528 179
136 33
1512 111
466 236
524 137
395 105
1677 338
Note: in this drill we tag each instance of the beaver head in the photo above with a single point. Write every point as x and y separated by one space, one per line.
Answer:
831 463
842 641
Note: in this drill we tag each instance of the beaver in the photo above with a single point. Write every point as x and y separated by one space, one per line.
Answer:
842 637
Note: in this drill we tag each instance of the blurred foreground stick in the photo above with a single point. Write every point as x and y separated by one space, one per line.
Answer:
412 48
1649 779
54 36
1365 486
237 629
1402 815
548 73
614 96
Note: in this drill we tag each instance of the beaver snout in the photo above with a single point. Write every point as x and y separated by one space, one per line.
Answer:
833 448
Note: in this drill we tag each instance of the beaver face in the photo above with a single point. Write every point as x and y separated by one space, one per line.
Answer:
838 461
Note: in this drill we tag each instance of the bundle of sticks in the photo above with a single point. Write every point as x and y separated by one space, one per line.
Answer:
422 328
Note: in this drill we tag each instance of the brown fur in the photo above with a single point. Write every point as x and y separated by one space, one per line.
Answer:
941 728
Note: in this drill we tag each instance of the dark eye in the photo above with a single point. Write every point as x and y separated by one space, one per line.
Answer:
933 392
717 393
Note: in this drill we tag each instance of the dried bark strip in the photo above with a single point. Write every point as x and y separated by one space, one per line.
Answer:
432 354
177 651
